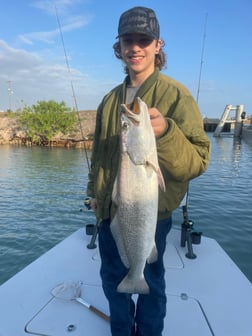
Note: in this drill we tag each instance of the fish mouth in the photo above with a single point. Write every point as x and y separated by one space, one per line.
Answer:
132 115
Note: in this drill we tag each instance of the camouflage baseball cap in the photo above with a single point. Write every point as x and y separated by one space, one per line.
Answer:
140 20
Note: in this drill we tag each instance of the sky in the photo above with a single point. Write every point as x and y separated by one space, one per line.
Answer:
61 49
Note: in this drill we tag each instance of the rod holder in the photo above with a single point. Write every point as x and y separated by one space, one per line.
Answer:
187 238
92 244
95 230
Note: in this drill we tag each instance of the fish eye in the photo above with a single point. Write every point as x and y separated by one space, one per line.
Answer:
125 125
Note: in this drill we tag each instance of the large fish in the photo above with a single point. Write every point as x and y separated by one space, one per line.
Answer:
136 196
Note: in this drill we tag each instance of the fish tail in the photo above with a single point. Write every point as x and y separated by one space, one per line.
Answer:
130 286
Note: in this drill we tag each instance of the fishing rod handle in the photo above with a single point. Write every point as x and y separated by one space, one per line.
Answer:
99 313
93 309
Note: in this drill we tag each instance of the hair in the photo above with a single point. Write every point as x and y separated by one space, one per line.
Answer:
160 58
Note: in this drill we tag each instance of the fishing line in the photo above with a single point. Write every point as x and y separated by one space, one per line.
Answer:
202 57
197 100
72 87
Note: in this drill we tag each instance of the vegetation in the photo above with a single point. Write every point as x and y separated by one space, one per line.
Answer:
46 119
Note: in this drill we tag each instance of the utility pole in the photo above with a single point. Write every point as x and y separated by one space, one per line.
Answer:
9 94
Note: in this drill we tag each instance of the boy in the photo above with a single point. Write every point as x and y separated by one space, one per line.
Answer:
183 153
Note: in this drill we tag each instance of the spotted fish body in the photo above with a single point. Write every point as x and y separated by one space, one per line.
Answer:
136 196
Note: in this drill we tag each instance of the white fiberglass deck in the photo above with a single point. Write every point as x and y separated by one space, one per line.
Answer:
206 296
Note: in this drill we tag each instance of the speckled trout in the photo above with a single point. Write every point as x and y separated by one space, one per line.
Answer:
136 195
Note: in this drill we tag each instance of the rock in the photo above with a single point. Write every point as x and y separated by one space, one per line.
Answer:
9 129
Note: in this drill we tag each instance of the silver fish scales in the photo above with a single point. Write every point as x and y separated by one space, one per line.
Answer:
136 196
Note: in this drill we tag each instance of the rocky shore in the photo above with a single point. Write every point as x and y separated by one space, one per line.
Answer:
12 133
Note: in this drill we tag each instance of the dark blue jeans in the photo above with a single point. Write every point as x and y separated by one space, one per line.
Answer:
147 318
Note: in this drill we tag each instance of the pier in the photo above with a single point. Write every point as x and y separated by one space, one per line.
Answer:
232 121
235 122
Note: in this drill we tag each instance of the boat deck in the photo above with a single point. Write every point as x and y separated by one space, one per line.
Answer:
206 296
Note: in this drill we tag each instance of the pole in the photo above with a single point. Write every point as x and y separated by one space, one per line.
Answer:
9 94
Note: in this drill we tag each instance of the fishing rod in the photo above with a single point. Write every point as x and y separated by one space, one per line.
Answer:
90 229
72 87
202 57
200 75
188 235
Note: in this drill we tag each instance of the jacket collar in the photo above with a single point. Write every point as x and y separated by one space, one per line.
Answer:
143 88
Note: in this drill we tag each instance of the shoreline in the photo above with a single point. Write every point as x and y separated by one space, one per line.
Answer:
12 134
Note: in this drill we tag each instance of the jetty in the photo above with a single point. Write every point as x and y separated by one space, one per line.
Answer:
236 121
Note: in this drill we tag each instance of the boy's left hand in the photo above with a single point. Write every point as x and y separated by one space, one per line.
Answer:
158 122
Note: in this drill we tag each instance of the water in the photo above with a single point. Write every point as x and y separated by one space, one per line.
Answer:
42 192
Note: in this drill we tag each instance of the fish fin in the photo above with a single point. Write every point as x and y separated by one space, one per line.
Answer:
161 181
131 286
115 192
114 227
160 177
153 255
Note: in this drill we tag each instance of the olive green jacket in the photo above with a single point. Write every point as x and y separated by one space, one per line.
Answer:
183 150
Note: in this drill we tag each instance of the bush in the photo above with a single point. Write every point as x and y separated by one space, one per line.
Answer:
47 118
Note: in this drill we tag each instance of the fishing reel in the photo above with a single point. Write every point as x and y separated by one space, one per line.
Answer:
87 203
91 229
